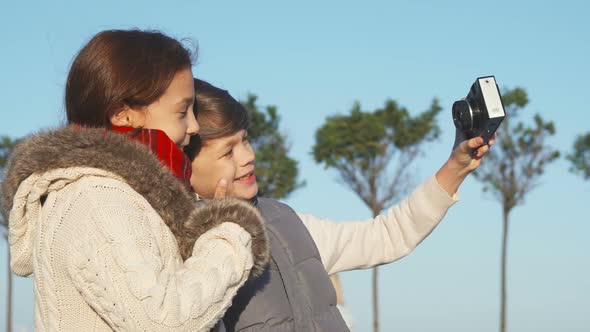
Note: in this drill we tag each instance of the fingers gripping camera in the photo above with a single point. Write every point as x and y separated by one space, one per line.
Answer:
482 111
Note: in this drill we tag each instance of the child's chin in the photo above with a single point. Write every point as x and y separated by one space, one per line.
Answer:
246 193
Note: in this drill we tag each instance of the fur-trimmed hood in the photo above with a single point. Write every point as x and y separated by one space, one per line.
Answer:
133 163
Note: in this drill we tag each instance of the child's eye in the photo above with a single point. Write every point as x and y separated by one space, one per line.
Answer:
184 111
229 153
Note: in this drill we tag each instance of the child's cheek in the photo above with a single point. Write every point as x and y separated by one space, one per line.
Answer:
230 181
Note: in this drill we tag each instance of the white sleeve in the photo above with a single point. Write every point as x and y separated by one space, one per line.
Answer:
126 266
390 236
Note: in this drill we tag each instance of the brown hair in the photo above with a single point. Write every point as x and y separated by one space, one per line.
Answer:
118 68
218 114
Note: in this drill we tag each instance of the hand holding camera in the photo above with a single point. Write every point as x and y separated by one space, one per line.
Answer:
476 118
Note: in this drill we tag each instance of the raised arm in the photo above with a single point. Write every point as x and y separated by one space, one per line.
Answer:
390 236
396 232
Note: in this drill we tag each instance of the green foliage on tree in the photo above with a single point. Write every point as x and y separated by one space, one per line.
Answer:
514 166
361 146
276 172
580 156
6 146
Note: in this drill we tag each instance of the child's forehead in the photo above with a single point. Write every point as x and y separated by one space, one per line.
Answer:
226 141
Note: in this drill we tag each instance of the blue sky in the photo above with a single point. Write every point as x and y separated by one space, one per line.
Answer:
313 60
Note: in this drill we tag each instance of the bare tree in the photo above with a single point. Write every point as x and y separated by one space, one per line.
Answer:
6 146
514 166
361 147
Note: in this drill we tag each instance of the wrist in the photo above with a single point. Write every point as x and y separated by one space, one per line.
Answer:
451 175
455 165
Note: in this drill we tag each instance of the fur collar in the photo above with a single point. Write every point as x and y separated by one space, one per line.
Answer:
138 166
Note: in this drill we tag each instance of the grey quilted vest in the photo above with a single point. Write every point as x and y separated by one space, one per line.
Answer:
295 292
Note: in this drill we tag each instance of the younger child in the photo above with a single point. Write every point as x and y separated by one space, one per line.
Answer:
295 292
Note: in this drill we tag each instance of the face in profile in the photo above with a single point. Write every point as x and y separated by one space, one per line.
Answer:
172 112
230 157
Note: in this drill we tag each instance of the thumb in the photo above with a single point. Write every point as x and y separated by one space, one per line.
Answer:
220 189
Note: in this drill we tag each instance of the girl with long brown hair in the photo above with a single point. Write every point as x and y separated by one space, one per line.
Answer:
100 211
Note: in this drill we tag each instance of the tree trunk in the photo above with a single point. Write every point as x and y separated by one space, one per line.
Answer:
8 293
375 301
503 272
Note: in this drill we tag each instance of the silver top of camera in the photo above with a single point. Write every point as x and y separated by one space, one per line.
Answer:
491 96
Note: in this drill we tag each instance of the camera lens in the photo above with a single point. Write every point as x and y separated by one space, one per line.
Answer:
462 115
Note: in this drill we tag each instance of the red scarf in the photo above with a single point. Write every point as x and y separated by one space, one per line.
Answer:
162 146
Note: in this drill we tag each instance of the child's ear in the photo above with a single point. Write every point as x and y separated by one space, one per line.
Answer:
129 117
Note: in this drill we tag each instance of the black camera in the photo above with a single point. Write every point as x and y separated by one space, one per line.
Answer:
482 111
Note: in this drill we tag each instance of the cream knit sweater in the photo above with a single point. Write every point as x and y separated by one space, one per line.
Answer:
362 244
103 256
103 259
